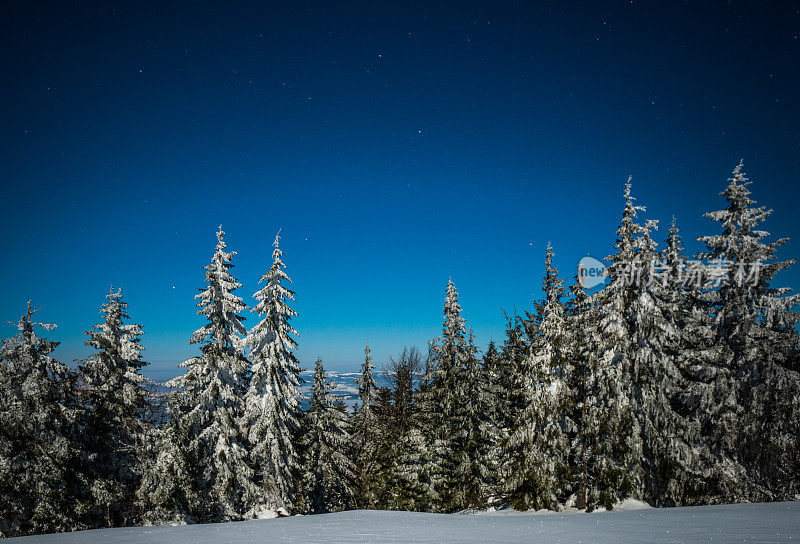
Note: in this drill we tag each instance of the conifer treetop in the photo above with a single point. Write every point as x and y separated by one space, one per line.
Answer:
218 303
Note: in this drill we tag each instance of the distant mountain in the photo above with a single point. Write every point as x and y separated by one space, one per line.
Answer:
344 386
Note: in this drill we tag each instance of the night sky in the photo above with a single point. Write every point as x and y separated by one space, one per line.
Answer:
394 145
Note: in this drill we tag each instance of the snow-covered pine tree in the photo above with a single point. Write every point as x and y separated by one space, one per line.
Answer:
539 445
491 371
615 470
272 406
471 431
653 382
401 450
495 403
580 407
671 313
445 392
384 484
114 403
327 480
456 389
169 488
365 435
42 489
428 418
409 469
209 405
751 409
513 385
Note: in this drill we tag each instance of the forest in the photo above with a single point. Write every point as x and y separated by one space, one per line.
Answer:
675 383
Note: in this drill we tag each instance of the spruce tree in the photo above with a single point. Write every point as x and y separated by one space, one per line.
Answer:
654 383
42 485
169 489
429 420
409 469
272 398
445 392
538 442
365 435
114 402
511 377
751 415
616 469
471 433
494 405
580 406
209 405
327 480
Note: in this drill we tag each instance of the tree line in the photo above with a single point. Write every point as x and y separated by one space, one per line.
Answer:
652 387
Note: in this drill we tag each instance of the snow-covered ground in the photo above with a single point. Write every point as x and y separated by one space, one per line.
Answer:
763 523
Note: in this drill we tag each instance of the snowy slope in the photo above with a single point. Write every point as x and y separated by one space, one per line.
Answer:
763 523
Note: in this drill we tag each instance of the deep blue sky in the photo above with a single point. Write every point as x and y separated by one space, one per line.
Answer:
394 145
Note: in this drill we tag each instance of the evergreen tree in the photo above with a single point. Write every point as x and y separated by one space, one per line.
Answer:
272 399
327 472
409 469
445 393
365 435
750 406
471 433
42 489
449 356
460 429
616 455
428 418
494 404
538 441
209 407
384 486
665 439
169 489
115 402
512 383
580 407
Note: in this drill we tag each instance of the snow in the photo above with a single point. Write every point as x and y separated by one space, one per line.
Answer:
626 505
763 523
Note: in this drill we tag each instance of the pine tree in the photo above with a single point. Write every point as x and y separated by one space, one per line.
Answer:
209 405
494 405
115 402
580 407
750 409
459 431
445 392
538 441
616 468
449 356
365 435
511 377
428 418
272 399
42 485
471 432
169 488
665 438
327 472
384 470
409 469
